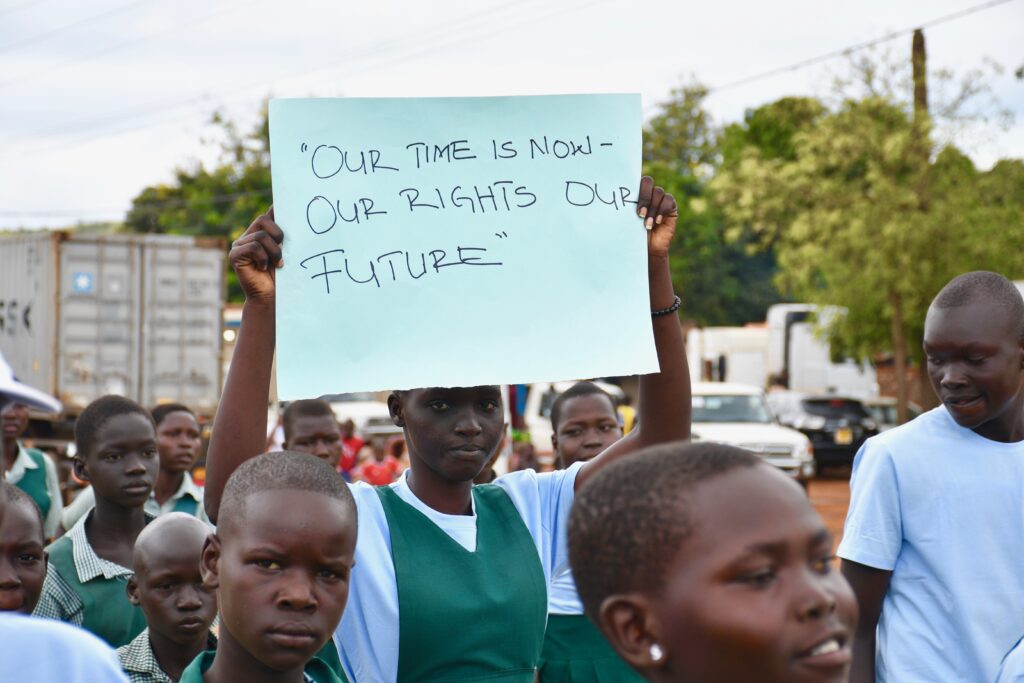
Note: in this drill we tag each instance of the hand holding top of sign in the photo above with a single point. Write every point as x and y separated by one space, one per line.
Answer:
255 256
660 213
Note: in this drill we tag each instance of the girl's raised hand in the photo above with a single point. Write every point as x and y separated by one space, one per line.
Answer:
256 255
660 213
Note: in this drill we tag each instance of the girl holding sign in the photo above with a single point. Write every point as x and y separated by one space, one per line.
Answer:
450 582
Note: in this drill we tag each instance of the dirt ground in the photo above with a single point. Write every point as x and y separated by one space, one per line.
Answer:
831 496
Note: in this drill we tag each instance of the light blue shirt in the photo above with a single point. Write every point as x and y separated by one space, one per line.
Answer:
45 651
942 508
1012 670
367 637
562 596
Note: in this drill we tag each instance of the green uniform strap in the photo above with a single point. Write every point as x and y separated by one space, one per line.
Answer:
186 504
492 603
106 611
33 481
576 652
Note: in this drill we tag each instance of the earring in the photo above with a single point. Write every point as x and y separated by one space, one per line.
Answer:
656 652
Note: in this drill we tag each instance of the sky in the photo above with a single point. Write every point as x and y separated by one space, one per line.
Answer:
105 97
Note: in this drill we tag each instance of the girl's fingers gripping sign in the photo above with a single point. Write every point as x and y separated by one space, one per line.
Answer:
659 212
255 256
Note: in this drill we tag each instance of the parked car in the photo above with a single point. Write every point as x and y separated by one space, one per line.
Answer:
836 425
883 410
737 414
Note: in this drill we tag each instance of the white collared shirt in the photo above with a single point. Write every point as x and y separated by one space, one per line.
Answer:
25 462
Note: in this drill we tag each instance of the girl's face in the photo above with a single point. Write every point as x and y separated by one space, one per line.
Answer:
753 594
453 432
179 441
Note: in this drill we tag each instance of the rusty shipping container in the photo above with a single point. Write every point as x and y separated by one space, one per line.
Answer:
83 315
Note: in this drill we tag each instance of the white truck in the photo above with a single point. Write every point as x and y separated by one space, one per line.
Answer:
83 315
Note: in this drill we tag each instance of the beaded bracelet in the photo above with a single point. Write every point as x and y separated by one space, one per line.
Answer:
671 309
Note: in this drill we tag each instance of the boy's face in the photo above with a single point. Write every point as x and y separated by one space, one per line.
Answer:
124 463
22 560
317 435
179 441
168 585
282 574
752 595
589 424
453 431
976 366
15 420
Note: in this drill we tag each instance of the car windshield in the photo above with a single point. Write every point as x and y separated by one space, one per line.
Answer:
724 408
836 408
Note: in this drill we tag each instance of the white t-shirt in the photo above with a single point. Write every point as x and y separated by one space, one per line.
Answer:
367 637
942 508
45 651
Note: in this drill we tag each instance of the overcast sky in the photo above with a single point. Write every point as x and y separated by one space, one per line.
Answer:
104 97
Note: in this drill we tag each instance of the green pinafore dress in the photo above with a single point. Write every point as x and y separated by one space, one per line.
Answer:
467 616
106 611
33 482
576 652
314 672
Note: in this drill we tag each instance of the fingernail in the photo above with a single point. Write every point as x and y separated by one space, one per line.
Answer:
280 263
658 221
643 212
649 223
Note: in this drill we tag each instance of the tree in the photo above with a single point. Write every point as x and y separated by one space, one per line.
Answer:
219 201
851 227
724 282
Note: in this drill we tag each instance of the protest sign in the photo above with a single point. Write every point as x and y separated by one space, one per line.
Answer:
458 242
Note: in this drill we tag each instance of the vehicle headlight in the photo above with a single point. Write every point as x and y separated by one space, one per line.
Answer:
813 422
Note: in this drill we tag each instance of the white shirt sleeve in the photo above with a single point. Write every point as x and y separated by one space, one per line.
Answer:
53 517
873 535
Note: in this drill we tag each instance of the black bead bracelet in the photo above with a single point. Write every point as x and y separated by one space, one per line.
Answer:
671 309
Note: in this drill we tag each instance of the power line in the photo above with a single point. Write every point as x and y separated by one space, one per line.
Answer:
88 20
81 59
360 53
857 47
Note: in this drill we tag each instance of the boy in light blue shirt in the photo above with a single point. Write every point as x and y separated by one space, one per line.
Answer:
936 520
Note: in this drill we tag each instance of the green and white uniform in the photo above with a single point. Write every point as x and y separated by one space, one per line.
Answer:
36 475
315 671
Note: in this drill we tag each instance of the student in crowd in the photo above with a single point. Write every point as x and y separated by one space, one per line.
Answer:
30 469
90 565
350 447
379 468
179 442
22 557
935 505
37 649
311 427
584 423
716 569
167 585
281 561
433 547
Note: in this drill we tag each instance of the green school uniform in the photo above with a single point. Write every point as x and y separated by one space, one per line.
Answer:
328 654
466 616
314 672
576 652
33 482
84 589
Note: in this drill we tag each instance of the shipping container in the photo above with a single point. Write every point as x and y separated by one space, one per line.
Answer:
83 315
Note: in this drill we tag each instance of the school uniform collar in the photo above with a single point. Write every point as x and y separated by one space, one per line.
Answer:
138 657
401 487
22 462
89 565
188 488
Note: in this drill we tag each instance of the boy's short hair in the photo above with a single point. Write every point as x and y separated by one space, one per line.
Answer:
983 285
15 496
281 470
576 390
310 407
164 409
96 415
629 521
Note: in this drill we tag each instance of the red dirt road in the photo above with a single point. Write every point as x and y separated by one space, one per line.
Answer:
831 497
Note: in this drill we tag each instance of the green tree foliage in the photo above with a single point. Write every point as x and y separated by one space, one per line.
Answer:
859 218
220 201
723 281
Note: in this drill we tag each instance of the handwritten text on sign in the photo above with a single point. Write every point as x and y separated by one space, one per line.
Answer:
456 242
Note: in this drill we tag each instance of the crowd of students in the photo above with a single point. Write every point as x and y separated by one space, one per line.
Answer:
642 556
